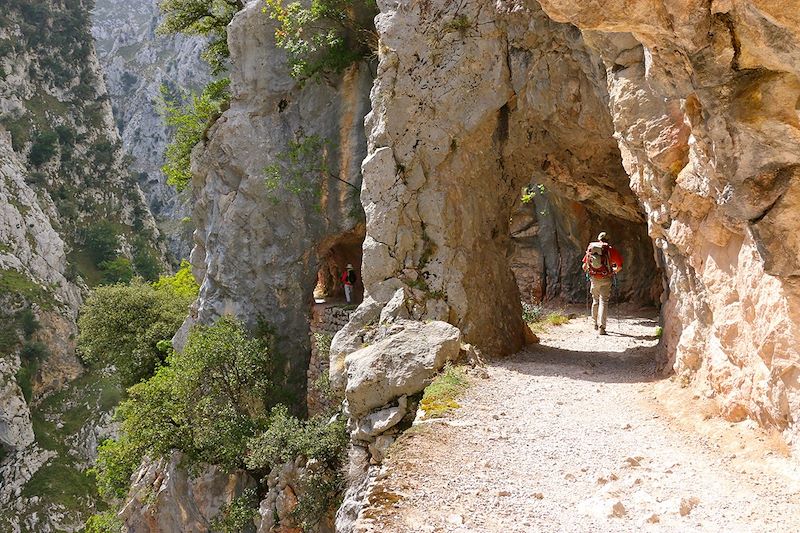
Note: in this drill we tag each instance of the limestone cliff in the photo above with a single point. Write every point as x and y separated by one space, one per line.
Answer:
703 97
473 103
61 172
675 121
136 63
259 246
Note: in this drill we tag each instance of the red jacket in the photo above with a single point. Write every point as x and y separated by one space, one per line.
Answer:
614 260
344 278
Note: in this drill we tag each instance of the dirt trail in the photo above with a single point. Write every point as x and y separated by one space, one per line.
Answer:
579 435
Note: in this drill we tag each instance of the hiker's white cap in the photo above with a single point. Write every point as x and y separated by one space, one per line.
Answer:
603 236
349 265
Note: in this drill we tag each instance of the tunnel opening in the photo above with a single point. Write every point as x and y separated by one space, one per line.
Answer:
335 254
561 152
330 310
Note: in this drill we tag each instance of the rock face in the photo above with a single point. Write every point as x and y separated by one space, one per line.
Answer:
165 497
703 98
680 118
286 485
61 170
402 363
257 245
136 63
472 103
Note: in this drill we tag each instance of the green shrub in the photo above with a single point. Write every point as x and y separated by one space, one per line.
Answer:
324 36
207 401
209 18
190 121
43 148
118 270
101 241
145 262
288 437
239 515
20 132
116 461
33 351
66 135
122 325
105 522
24 378
28 322
181 283
9 337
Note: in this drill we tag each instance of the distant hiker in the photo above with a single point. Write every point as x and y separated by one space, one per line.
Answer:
601 263
349 280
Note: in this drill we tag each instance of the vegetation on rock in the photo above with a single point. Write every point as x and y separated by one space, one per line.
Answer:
124 324
324 36
208 18
214 402
190 120
440 396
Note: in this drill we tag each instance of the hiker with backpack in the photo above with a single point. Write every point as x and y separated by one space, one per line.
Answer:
349 280
601 262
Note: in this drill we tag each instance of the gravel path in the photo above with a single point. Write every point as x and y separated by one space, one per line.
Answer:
578 434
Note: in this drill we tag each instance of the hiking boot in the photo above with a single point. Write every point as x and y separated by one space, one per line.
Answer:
595 327
602 330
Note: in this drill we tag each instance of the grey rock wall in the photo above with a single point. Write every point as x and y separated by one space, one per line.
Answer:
136 63
703 97
256 249
61 170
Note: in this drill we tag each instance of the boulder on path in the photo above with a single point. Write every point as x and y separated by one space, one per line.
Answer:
401 364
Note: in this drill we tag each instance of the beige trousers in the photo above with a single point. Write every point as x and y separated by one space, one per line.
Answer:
601 292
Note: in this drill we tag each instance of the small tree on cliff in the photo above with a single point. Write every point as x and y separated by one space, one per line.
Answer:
325 36
208 18
123 325
191 116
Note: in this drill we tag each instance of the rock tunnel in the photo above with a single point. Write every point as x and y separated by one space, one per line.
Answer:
654 121
473 103
453 148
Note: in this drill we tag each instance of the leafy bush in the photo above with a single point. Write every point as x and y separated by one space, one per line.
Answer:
43 148
122 325
238 515
145 262
190 121
181 283
33 352
208 18
207 401
118 270
101 242
105 522
28 322
325 36
288 437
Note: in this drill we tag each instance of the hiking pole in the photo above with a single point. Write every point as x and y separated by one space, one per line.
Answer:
615 291
588 290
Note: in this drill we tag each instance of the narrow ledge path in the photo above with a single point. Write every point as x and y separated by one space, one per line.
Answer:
579 434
